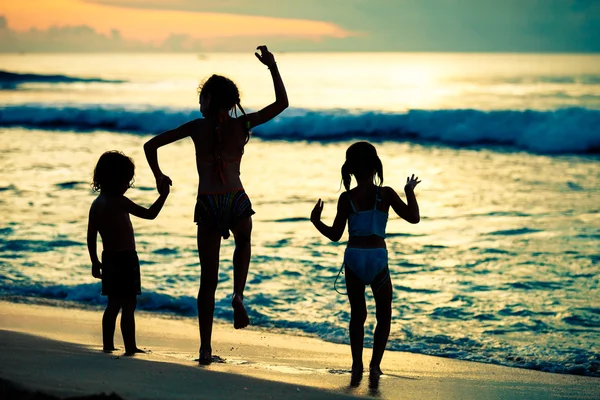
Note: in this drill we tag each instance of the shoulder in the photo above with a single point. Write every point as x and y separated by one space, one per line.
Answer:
344 196
387 191
94 205
344 201
195 124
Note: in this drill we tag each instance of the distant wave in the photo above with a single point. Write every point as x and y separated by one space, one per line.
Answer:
12 80
567 130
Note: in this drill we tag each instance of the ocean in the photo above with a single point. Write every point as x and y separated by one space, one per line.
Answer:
503 267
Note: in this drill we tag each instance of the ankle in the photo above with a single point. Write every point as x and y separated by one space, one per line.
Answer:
237 296
357 366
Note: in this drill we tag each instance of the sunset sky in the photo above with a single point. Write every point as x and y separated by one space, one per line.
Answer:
319 25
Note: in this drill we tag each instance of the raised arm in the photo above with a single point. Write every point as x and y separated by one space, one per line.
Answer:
92 235
334 232
163 139
281 100
410 211
148 213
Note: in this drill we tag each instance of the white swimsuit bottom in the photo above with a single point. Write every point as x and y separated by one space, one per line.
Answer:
366 263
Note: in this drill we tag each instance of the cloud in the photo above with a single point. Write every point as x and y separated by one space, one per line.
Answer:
339 25
426 25
83 38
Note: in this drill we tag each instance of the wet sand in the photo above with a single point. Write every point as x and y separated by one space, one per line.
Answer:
57 350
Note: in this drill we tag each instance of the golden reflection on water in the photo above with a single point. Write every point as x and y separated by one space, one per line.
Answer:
388 82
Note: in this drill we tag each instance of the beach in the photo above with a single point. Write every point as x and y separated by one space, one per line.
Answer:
57 350
495 290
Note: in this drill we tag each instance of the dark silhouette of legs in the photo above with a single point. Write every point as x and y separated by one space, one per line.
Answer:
241 263
358 316
383 304
109 320
129 304
209 244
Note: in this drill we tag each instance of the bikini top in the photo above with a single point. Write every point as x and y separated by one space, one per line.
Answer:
368 222
220 162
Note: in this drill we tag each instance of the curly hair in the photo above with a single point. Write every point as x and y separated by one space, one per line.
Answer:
361 161
113 170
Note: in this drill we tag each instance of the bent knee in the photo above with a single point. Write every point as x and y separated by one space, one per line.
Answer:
358 317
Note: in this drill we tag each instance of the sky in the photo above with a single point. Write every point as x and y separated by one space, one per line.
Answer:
301 25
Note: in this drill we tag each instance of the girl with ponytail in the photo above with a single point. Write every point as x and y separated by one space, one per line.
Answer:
365 208
222 204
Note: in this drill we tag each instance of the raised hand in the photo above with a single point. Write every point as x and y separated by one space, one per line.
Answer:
411 182
265 56
315 215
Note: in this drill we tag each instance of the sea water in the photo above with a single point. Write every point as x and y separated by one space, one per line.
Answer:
503 267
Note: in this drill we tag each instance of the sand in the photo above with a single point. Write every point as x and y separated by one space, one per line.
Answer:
57 350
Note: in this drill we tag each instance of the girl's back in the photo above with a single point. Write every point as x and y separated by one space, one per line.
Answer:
219 153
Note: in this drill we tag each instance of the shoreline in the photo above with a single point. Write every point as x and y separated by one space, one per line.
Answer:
57 350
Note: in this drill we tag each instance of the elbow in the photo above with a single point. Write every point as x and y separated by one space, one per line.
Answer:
415 220
335 238
150 146
282 103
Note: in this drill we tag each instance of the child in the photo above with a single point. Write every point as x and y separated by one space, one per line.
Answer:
222 203
365 207
120 268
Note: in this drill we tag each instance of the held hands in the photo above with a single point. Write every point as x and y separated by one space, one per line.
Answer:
165 188
163 181
411 182
266 57
315 215
96 270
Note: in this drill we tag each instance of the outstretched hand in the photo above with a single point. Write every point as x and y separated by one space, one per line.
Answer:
315 215
265 56
411 182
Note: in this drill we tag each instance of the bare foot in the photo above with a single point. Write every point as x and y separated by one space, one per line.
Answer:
240 317
357 374
133 352
375 372
205 357
374 375
109 350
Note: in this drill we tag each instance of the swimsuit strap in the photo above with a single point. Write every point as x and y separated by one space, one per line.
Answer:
351 203
377 198
336 279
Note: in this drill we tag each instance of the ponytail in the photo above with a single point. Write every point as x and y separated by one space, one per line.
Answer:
379 169
246 122
346 178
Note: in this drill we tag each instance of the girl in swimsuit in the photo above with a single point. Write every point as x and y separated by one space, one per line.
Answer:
222 204
365 208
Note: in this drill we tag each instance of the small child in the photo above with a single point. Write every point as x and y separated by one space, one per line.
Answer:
120 268
366 207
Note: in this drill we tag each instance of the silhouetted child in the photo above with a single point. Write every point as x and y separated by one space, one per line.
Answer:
366 207
120 268
222 204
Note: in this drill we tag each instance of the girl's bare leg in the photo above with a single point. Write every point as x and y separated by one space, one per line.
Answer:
241 263
383 304
358 316
209 244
